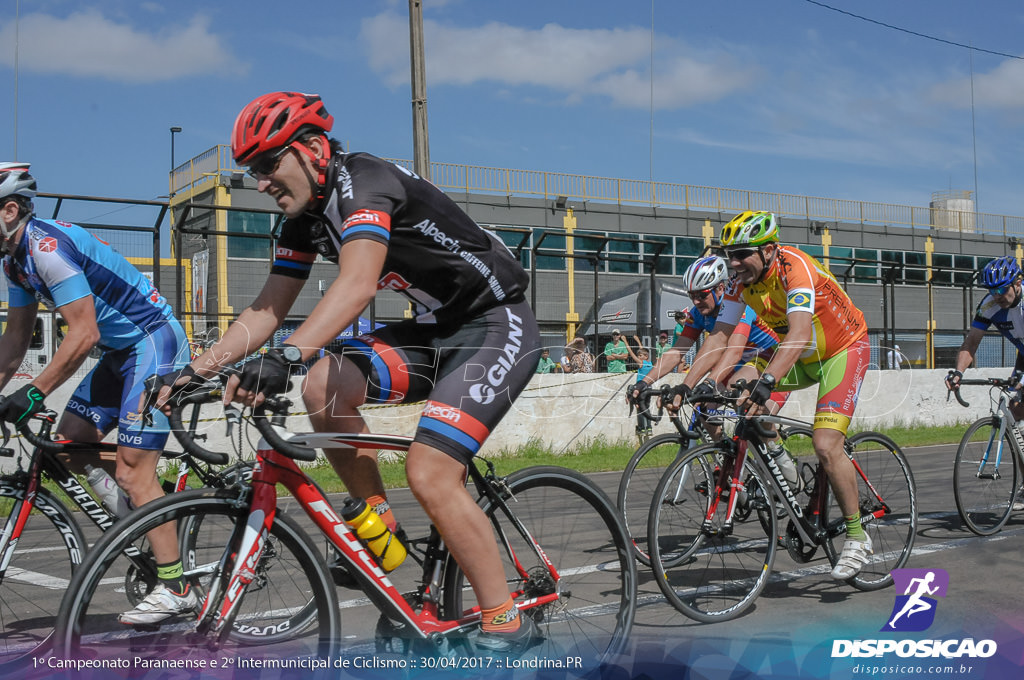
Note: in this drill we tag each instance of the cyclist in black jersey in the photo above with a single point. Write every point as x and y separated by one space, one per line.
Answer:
469 350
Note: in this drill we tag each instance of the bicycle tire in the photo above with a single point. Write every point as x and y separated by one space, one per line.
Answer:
289 575
637 484
891 522
581 533
722 572
984 494
50 549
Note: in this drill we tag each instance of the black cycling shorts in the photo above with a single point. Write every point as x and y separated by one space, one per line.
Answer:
469 377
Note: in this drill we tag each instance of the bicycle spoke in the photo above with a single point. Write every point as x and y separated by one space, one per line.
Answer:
985 477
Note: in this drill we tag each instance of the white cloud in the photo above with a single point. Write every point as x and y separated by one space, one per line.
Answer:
572 62
87 44
1001 88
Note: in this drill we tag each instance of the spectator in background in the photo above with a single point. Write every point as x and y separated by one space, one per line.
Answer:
642 357
616 352
662 345
580 361
545 364
896 358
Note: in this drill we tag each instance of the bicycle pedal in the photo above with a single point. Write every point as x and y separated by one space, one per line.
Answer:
145 627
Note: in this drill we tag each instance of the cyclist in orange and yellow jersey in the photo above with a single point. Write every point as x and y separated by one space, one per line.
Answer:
823 341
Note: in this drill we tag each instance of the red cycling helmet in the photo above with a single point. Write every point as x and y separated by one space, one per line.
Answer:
275 120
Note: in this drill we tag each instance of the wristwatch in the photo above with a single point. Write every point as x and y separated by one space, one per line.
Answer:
768 378
291 354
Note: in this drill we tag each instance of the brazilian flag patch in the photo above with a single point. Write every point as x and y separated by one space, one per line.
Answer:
798 299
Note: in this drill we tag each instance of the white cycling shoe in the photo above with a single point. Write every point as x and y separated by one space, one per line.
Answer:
852 559
162 603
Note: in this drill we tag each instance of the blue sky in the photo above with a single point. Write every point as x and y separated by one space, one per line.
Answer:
781 95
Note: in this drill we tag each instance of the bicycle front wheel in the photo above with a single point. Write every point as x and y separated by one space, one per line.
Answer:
887 499
289 575
985 477
49 549
720 567
591 567
637 485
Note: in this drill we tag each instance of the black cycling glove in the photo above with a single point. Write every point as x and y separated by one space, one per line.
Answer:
270 373
706 389
762 390
22 404
953 379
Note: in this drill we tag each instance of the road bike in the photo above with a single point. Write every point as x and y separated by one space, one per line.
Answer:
42 542
645 467
711 561
566 559
989 462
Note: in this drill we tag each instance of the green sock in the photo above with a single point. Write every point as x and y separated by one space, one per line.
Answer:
172 575
854 529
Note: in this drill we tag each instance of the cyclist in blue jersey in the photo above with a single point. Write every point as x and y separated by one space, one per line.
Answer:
109 304
1001 308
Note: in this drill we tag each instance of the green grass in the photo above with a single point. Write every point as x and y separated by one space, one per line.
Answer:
596 456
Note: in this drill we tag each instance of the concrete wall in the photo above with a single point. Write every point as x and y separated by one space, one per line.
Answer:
563 412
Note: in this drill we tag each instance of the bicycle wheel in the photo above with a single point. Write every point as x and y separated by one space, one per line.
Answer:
289 575
985 477
582 536
50 548
724 567
201 547
636 487
888 508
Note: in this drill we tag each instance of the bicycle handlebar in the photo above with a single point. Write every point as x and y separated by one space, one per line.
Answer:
731 397
279 406
999 383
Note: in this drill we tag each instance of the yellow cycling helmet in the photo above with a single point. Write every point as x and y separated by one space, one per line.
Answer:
751 227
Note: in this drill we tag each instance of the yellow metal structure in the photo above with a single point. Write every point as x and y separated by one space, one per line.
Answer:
571 317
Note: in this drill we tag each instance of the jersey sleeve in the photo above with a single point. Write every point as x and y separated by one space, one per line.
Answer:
693 326
60 271
799 286
983 314
733 307
292 257
374 195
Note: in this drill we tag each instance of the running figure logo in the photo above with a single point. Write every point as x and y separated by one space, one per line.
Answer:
914 610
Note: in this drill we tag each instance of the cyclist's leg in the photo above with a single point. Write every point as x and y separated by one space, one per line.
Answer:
481 369
840 378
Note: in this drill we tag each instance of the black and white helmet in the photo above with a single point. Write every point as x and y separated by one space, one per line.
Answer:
706 273
15 181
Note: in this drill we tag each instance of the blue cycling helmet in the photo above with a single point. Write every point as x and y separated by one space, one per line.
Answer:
1001 271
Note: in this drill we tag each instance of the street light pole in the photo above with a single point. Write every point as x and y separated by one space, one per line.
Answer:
175 129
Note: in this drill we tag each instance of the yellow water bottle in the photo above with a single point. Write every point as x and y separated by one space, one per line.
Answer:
375 533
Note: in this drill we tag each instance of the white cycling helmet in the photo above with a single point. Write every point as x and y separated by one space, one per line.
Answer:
15 181
706 273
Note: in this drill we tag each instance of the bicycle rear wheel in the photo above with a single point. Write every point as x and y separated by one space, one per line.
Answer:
723 568
985 477
50 548
888 508
636 487
290 574
582 536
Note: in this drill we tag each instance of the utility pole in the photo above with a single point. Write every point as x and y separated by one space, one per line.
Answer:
420 140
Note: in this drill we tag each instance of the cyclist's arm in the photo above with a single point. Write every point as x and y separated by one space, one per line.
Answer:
360 263
82 336
965 355
801 332
16 338
709 354
253 327
732 354
668 360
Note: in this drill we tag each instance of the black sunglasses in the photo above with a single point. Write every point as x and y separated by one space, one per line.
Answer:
267 164
739 253
696 295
